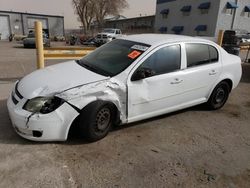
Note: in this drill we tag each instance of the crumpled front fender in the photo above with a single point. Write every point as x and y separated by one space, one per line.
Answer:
110 90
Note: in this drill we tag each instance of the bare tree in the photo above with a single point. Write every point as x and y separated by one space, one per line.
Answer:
106 8
85 9
89 10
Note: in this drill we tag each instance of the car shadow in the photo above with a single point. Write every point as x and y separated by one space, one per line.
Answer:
22 47
245 73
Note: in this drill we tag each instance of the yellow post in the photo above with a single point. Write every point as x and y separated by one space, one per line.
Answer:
220 37
39 45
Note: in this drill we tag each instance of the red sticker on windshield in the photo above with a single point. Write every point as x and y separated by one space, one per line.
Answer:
134 54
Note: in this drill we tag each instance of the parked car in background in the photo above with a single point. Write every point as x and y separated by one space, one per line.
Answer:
30 41
107 35
242 35
126 80
90 42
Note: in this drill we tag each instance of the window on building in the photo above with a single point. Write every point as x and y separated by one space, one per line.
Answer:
231 7
165 13
163 30
204 7
178 29
201 30
247 11
186 10
165 60
201 54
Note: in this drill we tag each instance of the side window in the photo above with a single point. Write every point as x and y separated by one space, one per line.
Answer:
214 55
165 60
200 54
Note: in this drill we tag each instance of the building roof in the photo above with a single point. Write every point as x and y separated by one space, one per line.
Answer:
31 14
159 39
115 18
134 18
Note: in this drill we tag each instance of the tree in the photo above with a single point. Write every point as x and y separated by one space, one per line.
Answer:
85 9
106 8
89 10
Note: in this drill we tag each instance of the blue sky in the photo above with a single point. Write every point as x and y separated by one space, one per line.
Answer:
63 7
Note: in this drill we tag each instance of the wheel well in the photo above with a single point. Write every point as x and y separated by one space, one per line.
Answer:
75 124
230 83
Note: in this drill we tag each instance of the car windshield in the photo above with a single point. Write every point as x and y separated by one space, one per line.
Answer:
108 31
113 57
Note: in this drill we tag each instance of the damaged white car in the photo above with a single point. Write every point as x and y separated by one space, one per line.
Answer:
127 80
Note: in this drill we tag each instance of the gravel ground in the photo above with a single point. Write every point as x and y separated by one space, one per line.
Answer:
189 148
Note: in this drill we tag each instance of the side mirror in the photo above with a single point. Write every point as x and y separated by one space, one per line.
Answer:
142 73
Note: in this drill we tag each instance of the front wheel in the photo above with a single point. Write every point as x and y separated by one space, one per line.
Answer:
219 96
96 120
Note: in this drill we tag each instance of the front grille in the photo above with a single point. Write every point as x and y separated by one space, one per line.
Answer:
14 99
99 36
17 92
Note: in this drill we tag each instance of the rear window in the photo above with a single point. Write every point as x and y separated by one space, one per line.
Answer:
201 54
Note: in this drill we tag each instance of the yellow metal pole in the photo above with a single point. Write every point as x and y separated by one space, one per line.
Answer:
220 37
39 45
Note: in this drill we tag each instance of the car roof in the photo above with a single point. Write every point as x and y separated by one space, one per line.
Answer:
158 39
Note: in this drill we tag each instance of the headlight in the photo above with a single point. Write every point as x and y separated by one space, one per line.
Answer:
43 105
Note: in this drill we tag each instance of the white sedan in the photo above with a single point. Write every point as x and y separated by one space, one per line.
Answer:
127 80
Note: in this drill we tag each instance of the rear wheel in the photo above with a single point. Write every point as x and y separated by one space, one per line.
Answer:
96 120
219 96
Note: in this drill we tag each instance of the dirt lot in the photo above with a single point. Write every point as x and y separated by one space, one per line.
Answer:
190 148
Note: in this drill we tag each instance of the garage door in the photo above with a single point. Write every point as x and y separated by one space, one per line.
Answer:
31 22
4 27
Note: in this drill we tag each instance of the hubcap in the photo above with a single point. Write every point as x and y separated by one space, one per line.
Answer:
103 119
220 96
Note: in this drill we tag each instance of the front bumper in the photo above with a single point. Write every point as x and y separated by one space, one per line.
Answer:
40 127
103 40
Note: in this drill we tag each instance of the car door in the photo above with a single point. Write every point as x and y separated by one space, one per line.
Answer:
161 88
203 68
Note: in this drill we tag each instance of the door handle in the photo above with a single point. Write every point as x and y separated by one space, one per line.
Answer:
213 72
177 81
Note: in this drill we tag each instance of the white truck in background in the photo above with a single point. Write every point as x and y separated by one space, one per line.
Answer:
107 35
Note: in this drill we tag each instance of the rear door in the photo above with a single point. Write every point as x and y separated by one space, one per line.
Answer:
203 67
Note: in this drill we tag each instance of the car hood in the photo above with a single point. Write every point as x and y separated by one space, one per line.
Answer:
55 79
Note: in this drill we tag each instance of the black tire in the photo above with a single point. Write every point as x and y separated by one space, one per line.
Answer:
97 45
219 96
96 120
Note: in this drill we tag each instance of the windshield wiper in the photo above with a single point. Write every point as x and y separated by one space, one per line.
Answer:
93 68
